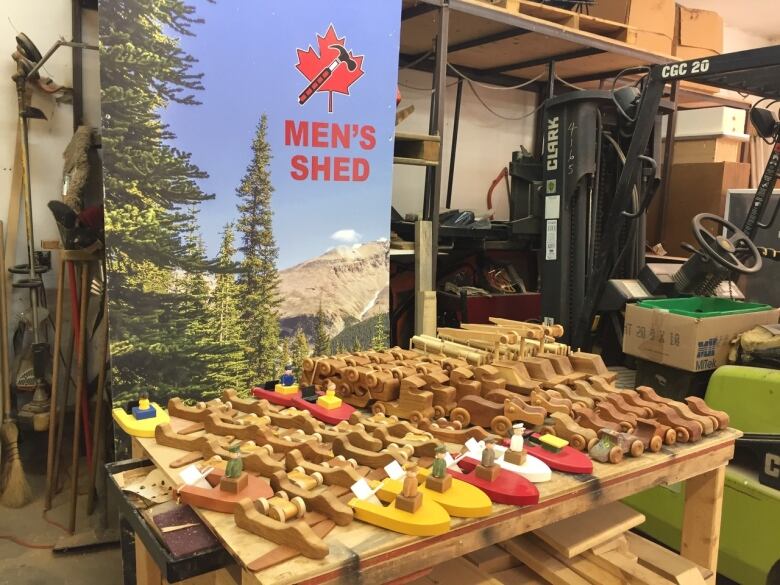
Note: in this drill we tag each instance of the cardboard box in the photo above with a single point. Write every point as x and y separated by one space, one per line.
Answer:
651 22
687 343
704 122
697 33
709 150
695 188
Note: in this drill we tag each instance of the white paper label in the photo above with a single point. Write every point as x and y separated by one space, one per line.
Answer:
448 460
473 445
191 475
552 207
361 489
394 470
551 241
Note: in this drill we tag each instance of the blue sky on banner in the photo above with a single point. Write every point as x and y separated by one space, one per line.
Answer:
247 52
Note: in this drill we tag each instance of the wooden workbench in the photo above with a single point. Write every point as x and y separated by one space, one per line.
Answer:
361 553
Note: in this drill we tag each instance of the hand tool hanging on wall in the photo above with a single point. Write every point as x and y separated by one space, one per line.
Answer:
29 61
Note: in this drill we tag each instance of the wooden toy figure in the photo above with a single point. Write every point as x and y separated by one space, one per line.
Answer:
329 400
488 470
439 480
144 409
287 384
516 453
410 499
288 378
234 479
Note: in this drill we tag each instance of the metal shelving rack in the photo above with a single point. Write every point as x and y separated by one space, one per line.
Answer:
493 45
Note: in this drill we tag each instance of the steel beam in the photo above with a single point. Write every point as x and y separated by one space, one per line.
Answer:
587 52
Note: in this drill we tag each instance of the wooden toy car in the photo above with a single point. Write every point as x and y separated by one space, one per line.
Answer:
452 431
606 449
485 413
413 402
564 426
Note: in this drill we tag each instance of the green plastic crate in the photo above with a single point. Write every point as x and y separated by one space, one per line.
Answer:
702 307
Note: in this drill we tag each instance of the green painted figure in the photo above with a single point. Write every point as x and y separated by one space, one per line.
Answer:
439 467
236 465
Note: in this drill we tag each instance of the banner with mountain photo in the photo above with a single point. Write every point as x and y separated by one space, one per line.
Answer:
247 152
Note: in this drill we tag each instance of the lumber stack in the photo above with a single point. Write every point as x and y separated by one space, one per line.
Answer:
593 548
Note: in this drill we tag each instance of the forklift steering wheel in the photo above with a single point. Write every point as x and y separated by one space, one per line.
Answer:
724 250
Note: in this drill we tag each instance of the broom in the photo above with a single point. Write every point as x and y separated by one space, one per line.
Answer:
16 490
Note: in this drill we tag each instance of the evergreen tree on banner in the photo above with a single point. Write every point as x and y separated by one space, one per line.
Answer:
379 340
227 367
299 350
259 277
321 337
149 187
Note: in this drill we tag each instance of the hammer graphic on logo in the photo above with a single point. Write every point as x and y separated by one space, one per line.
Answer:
334 69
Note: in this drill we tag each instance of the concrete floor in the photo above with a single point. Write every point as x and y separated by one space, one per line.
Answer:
25 566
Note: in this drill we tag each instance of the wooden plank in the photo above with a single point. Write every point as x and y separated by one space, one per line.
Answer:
519 575
626 568
543 563
701 518
579 533
400 160
492 559
417 146
460 571
423 278
583 567
663 561
376 555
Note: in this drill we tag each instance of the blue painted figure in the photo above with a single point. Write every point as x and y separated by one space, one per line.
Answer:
288 378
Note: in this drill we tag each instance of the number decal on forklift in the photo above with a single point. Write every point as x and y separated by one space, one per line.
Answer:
681 69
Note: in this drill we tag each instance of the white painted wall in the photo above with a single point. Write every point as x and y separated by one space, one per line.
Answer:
44 22
485 143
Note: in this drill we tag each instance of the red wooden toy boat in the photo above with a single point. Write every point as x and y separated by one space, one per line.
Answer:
221 500
332 416
568 459
508 488
274 397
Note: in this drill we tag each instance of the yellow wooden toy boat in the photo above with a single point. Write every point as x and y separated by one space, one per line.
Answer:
143 427
430 519
462 499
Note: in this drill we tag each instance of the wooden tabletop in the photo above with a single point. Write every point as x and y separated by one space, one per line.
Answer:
364 553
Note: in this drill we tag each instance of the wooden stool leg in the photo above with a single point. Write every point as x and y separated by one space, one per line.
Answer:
97 426
701 518
80 380
55 369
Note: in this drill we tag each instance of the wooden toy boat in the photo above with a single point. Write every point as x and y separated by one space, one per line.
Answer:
140 427
567 459
534 470
508 487
220 500
274 397
462 499
430 519
331 416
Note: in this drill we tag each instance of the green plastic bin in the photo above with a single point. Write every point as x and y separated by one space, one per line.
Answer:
702 307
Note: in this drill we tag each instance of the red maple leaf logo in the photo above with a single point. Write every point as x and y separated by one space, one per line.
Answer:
326 72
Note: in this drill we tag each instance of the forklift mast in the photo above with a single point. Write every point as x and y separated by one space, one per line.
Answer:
582 154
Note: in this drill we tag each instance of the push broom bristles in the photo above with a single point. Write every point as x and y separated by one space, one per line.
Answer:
16 490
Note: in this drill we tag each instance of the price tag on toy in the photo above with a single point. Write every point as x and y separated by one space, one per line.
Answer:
475 446
191 475
362 490
448 460
394 470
